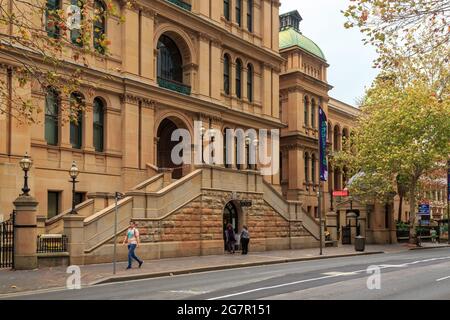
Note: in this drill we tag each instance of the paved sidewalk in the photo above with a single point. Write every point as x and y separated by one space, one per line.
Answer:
47 278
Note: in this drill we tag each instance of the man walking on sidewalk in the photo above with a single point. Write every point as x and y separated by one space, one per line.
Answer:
133 240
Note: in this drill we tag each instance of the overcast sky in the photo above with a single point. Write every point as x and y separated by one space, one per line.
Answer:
350 61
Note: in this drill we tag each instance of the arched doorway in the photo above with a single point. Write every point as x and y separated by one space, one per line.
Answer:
165 147
232 213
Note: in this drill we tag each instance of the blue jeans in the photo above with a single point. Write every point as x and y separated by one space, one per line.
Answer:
132 255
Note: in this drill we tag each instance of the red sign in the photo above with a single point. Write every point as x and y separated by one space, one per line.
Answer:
341 193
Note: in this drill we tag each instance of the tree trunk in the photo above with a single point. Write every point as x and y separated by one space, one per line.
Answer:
400 207
412 215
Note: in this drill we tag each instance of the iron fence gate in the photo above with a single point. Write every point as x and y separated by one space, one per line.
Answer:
7 242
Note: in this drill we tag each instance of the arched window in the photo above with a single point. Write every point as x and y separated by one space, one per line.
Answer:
345 137
99 26
330 133
169 60
52 102
306 167
337 179
336 138
226 74
51 20
345 176
239 78
76 123
75 33
306 110
250 82
99 120
239 12
226 9
313 113
250 15
313 168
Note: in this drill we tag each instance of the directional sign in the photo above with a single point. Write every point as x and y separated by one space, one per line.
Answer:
424 209
341 193
246 203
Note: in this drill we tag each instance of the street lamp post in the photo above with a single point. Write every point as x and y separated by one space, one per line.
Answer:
117 197
26 164
73 172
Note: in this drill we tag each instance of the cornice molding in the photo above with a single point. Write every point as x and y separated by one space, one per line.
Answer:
135 100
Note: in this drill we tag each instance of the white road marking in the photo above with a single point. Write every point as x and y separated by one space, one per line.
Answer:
339 273
332 275
189 292
444 278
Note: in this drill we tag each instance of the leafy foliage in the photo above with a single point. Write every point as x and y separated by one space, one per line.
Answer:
417 27
41 47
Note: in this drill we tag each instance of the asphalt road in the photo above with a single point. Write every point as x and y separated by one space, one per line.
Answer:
417 275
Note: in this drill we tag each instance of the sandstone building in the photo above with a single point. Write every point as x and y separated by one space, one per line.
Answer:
172 63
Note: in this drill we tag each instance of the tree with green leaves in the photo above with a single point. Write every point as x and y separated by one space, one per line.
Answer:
417 27
44 43
402 134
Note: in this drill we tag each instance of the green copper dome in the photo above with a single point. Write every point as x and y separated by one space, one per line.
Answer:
290 37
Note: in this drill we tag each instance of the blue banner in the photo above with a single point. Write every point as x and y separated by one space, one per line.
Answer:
323 126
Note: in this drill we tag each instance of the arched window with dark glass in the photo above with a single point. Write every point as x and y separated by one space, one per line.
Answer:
306 110
250 82
226 74
75 33
345 137
306 167
313 113
336 144
239 78
99 26
99 123
226 9
76 122
250 15
313 168
52 107
51 18
170 61
239 12
330 133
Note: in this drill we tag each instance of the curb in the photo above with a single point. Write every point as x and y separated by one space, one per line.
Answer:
220 267
425 248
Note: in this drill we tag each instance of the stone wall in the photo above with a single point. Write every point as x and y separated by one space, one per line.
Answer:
201 221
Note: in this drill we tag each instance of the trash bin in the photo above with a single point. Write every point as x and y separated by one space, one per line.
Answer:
360 243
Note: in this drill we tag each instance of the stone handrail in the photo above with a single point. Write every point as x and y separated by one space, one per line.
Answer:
152 184
101 225
168 199
290 210
99 228
56 223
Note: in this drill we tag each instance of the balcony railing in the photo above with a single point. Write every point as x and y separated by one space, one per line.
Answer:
174 86
181 4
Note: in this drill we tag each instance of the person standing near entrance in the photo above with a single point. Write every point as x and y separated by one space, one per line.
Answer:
132 239
245 239
230 237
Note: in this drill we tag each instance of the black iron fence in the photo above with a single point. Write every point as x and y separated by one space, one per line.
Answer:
7 242
51 243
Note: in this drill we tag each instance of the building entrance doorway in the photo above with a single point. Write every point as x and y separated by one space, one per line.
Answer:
231 215
165 147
